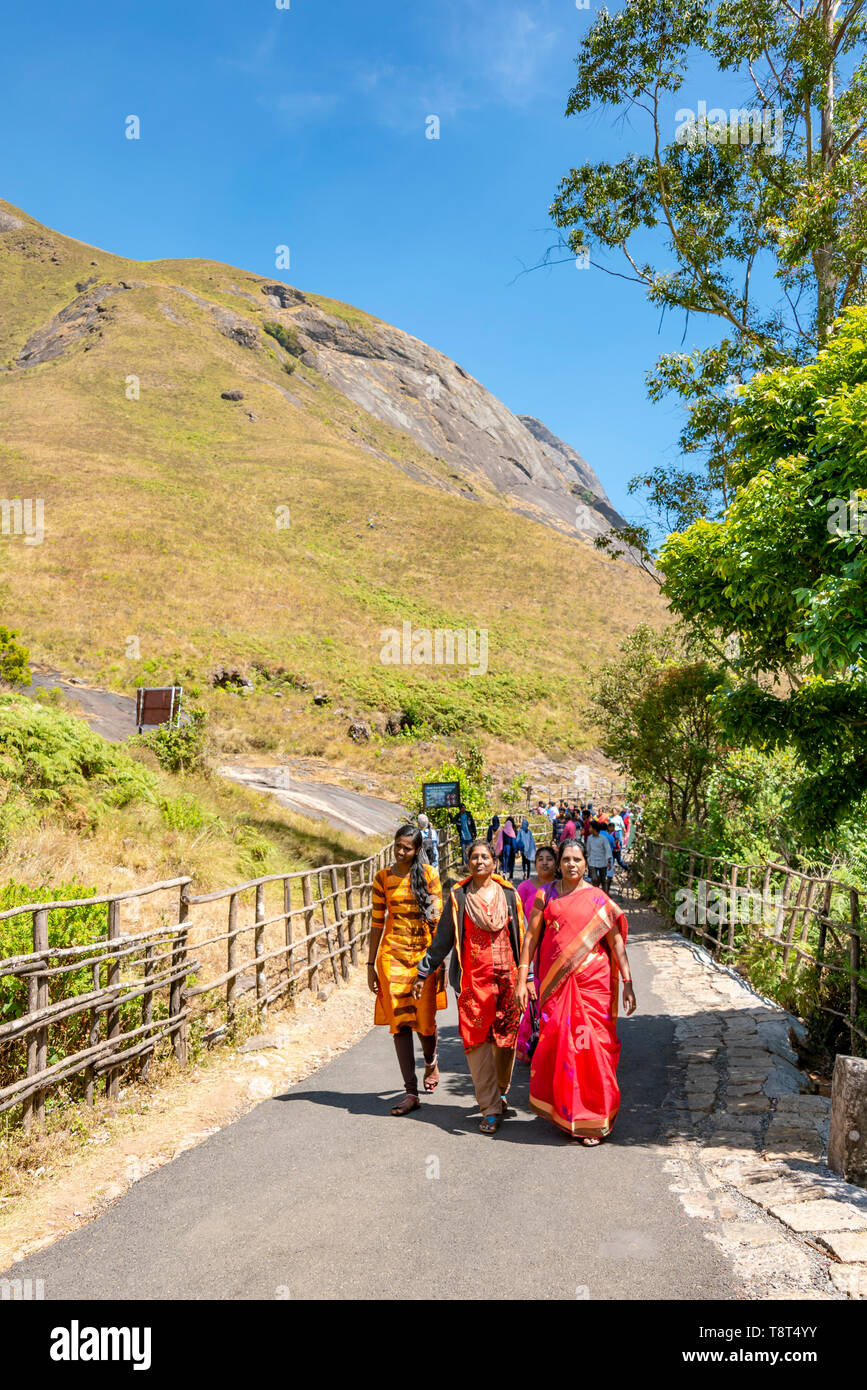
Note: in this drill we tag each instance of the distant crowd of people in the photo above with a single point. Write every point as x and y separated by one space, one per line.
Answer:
604 836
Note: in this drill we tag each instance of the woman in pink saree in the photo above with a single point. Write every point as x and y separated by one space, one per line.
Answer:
546 872
582 959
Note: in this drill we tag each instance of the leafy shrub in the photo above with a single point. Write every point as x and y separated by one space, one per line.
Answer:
286 337
13 659
186 812
183 748
53 758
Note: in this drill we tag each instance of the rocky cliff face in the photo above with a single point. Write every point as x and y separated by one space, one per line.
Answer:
391 375
414 388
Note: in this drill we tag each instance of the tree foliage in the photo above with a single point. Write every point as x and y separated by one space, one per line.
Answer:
785 571
726 210
658 723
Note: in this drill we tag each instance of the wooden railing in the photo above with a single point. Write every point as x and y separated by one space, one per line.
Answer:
808 920
132 991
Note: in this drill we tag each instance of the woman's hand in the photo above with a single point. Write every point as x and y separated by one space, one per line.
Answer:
521 993
417 987
629 1003
372 979
531 989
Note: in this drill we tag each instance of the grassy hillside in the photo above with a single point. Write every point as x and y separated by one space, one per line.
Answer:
161 523
74 806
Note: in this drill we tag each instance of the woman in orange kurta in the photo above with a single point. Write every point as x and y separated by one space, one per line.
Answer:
407 901
582 956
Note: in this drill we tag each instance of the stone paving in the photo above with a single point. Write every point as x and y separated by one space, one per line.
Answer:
747 1137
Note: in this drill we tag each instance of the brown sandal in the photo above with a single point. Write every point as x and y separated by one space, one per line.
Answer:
407 1105
431 1076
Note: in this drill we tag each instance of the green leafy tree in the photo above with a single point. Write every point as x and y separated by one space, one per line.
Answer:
658 724
771 191
468 770
783 575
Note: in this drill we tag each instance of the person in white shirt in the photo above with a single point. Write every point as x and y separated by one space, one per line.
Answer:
430 841
600 859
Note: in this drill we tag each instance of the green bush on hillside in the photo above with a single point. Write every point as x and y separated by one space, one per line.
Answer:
181 748
286 337
54 758
13 659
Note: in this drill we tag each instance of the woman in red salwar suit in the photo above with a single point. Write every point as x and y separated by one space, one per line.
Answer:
573 1077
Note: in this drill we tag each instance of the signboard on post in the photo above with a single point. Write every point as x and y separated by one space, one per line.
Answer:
160 705
435 795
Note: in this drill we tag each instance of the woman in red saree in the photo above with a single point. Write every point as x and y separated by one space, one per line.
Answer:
573 1076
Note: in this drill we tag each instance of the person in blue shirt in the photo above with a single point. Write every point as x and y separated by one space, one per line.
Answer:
615 852
466 828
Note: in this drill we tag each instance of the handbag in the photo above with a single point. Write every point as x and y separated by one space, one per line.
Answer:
533 1040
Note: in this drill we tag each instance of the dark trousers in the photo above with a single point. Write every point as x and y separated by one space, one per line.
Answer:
599 877
405 1049
525 865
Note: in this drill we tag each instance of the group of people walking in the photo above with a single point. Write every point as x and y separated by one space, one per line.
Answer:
537 968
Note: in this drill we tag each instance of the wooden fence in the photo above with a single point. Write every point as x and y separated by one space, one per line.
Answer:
93 1010
810 922
120 996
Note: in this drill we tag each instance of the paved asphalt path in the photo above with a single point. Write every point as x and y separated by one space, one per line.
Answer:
320 1193
113 716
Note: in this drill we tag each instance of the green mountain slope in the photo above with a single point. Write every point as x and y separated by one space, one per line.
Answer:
284 531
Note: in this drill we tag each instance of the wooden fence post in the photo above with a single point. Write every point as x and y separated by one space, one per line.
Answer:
37 1041
147 1005
112 1076
287 908
854 966
354 922
341 925
733 906
93 1038
232 958
823 925
177 1000
312 945
259 941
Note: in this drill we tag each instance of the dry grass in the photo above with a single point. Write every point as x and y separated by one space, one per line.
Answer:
161 524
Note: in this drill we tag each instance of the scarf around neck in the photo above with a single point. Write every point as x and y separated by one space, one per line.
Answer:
491 917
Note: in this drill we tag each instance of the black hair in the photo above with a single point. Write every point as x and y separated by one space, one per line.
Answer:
417 876
545 849
569 844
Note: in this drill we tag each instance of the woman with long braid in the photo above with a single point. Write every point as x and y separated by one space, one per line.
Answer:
407 902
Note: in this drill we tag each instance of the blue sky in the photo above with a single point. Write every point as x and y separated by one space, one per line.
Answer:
306 127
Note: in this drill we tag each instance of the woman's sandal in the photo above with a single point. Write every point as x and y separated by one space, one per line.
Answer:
406 1106
431 1076
588 1141
489 1124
